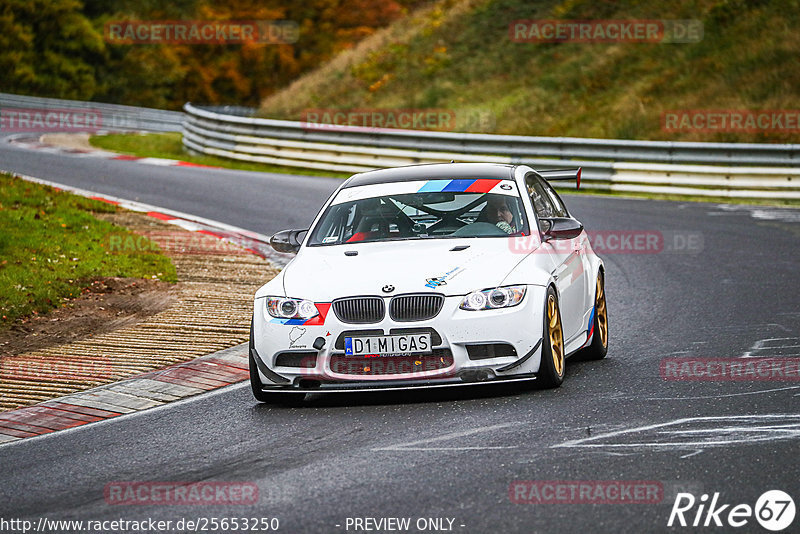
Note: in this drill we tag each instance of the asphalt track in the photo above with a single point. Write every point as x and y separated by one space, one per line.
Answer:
455 453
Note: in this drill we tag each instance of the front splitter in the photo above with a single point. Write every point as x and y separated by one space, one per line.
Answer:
395 385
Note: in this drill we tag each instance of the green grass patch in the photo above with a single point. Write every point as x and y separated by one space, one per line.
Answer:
52 247
169 146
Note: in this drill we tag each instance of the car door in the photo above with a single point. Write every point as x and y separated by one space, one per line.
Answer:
568 262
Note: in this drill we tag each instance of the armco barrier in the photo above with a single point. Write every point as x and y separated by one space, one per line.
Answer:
113 117
744 170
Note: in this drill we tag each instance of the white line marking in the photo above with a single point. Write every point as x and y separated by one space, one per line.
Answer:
792 432
610 453
725 395
678 445
446 448
581 442
764 345
453 435
732 429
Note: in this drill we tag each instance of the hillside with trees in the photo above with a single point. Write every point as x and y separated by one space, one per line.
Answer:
58 48
458 55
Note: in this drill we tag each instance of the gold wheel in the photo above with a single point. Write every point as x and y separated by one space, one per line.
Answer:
602 313
555 335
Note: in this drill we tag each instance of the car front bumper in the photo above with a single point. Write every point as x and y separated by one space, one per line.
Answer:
455 334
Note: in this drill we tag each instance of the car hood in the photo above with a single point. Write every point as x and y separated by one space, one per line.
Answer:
325 273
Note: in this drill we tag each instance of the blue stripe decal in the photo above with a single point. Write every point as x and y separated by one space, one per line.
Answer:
433 186
591 322
290 322
458 186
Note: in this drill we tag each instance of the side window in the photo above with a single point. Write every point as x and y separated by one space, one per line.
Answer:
558 206
540 199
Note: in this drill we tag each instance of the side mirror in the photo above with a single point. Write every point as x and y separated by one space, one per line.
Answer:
287 240
562 228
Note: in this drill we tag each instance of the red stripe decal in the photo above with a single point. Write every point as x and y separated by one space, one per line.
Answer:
322 308
162 216
483 185
358 236
257 253
212 234
189 164
101 199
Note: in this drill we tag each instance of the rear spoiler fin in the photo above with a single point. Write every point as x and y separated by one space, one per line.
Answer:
563 174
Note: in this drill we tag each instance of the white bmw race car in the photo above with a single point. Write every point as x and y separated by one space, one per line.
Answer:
428 276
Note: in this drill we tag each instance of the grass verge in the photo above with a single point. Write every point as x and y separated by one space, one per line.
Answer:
169 146
52 247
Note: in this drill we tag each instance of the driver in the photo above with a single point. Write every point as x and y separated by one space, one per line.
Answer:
499 214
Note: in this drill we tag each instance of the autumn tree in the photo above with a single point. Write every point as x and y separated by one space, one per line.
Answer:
57 48
49 48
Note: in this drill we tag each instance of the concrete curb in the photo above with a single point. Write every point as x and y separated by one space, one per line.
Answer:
148 390
153 388
29 142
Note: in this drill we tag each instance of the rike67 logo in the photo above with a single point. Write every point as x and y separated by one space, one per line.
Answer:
774 510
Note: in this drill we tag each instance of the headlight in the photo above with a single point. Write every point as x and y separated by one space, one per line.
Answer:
490 299
287 308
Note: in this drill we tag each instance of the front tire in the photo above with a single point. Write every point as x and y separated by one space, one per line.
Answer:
551 367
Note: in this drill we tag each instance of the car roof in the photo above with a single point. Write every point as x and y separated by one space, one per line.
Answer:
432 171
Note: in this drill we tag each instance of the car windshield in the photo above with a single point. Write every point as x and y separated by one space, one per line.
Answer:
422 210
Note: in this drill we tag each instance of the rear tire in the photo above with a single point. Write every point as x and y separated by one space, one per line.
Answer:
598 348
285 399
552 365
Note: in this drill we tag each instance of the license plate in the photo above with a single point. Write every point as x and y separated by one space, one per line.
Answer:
388 345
